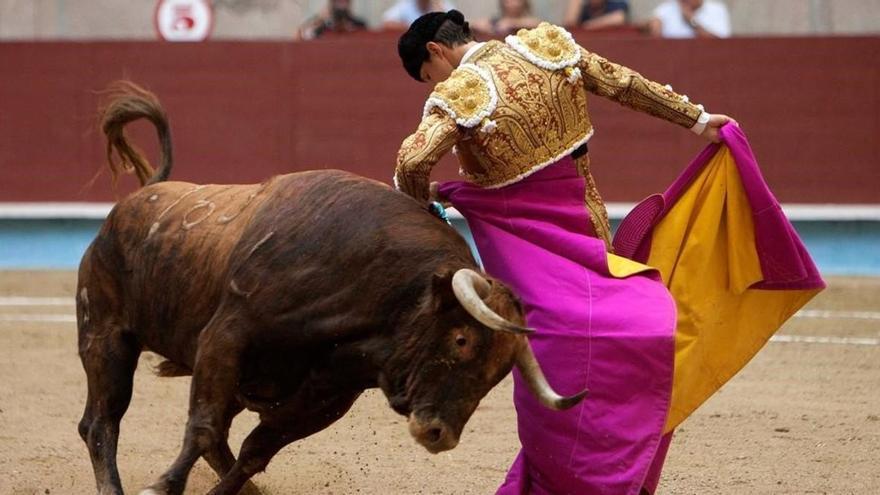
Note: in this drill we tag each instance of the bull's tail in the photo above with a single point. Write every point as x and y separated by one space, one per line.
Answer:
126 102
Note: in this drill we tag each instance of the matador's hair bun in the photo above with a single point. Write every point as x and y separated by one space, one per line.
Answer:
456 17
430 27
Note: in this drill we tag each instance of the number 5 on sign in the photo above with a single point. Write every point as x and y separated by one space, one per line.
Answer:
184 20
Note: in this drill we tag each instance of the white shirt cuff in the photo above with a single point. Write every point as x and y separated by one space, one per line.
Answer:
700 126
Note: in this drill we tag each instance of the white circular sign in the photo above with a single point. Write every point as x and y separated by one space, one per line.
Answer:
184 20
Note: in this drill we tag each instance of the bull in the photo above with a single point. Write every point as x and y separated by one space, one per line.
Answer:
288 298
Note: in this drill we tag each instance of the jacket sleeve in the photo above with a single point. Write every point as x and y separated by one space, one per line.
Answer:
629 88
418 154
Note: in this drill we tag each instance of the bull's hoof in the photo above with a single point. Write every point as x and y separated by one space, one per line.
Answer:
163 487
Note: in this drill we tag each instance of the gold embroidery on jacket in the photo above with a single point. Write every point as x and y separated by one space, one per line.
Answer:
547 46
629 88
595 205
540 118
436 135
467 95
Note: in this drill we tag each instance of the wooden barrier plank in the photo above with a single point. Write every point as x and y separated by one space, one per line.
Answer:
243 111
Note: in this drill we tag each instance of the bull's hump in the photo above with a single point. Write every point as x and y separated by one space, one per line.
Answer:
333 175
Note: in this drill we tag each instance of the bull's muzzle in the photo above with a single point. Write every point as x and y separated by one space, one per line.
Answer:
433 434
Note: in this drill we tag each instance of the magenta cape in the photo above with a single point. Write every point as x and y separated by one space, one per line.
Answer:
609 324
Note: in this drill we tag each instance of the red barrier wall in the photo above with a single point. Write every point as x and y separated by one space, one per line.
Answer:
243 111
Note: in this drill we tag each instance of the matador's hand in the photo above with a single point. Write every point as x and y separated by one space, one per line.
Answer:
434 189
713 127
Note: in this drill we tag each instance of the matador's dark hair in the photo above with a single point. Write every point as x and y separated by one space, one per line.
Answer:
448 28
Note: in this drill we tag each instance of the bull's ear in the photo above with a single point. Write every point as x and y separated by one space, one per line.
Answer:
508 304
441 289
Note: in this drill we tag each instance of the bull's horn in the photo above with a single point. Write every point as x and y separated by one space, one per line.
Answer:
537 383
467 286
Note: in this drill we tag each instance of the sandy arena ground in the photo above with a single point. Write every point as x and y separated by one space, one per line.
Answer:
801 418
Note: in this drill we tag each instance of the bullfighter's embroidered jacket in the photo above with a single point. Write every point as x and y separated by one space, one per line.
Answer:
512 108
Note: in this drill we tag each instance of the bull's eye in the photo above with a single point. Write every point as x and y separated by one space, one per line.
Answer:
460 340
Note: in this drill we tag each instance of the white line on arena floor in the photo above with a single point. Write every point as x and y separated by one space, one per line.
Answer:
22 301
36 301
825 314
811 339
802 339
25 318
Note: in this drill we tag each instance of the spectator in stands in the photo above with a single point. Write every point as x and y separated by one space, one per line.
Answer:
691 19
596 14
336 17
399 16
513 15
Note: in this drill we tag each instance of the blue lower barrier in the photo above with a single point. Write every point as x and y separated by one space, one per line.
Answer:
839 247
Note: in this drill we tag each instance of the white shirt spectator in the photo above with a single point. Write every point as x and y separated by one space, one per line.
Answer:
406 11
711 16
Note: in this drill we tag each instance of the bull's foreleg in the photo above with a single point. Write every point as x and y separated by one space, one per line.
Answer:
281 427
256 451
213 405
221 460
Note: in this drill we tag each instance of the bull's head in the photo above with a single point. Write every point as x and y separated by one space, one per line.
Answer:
472 336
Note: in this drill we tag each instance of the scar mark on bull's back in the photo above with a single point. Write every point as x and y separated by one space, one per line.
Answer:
168 208
226 218
200 204
261 242
153 198
178 200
